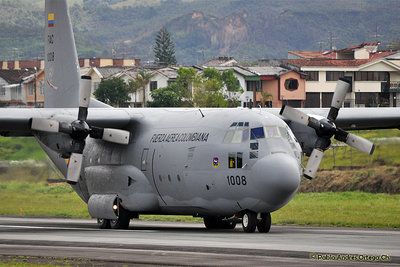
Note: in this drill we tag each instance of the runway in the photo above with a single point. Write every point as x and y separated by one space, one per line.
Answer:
190 244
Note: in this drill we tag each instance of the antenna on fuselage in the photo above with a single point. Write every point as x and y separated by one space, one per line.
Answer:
201 113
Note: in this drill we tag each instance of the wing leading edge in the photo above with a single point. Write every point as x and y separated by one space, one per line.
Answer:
16 122
357 118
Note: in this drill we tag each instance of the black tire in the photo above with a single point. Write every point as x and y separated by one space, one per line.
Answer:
103 223
211 222
123 220
249 222
264 225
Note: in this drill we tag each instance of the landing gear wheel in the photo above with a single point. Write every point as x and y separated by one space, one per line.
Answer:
249 222
103 223
211 222
264 225
123 220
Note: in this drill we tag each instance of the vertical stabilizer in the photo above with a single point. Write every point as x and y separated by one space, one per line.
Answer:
61 60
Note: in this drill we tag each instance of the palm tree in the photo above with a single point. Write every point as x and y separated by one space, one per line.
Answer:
134 86
141 81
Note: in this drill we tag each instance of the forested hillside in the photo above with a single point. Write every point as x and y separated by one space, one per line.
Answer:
245 29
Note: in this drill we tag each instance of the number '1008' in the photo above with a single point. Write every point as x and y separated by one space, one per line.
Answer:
236 180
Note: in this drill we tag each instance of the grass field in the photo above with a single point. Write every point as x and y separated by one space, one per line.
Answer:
348 209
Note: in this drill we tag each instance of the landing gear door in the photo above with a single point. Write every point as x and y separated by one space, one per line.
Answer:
144 159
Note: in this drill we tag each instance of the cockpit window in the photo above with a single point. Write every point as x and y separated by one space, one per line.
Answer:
237 137
257 133
237 133
272 131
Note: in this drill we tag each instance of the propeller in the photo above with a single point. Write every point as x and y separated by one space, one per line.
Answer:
79 130
325 128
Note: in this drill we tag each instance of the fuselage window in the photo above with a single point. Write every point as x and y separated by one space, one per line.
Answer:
257 133
253 155
235 160
254 146
245 135
239 160
232 160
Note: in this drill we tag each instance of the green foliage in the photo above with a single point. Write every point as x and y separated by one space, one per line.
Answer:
20 148
164 49
166 97
21 198
216 89
185 79
348 209
113 91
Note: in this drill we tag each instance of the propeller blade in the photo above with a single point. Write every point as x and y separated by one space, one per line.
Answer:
294 115
360 143
313 163
85 90
74 168
45 125
342 87
116 136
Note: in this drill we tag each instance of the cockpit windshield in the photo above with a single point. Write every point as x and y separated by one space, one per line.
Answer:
240 132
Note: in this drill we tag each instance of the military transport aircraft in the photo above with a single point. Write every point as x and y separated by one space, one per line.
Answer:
225 165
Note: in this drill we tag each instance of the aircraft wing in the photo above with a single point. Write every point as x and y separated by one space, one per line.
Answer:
16 121
357 118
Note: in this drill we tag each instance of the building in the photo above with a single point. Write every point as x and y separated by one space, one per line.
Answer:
34 89
83 63
374 78
101 73
12 90
277 86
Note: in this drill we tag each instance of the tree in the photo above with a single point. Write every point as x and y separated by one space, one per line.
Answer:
113 91
166 97
164 49
140 82
185 79
216 89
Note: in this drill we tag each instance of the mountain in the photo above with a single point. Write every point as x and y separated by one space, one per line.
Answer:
244 29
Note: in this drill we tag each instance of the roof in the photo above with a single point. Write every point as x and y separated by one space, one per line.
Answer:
268 71
169 72
314 54
338 62
15 76
354 47
219 61
241 70
106 72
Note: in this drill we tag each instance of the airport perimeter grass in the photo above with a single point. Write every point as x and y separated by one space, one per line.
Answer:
347 209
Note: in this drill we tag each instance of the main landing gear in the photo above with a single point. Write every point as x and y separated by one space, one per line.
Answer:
121 223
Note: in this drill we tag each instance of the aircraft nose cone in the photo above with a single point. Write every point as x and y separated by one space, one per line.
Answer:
278 177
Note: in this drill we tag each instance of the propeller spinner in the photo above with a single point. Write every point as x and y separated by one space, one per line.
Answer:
325 128
79 130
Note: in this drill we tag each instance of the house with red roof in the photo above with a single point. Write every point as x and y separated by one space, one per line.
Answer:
375 78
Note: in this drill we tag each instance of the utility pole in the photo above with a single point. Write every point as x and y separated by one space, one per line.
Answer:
34 86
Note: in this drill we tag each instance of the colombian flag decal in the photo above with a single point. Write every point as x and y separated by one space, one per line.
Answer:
50 19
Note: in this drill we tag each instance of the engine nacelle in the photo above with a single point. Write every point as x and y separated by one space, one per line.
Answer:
104 206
